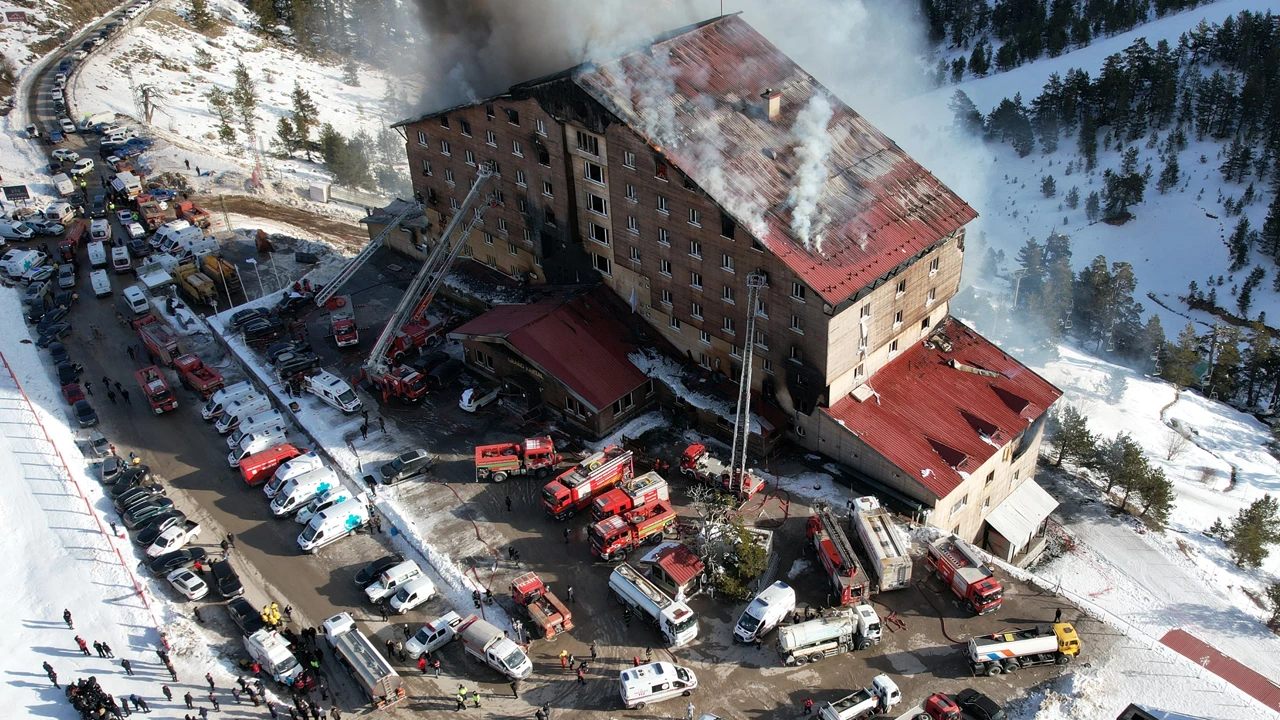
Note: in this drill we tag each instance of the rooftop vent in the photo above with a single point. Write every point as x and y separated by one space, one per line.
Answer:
771 101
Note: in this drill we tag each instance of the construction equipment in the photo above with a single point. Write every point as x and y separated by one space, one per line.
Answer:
613 537
543 608
535 456
342 322
961 568
576 487
195 285
673 618
422 289
358 261
1006 652
192 213
884 545
379 681
631 494
156 389
867 702
856 628
849 582
223 273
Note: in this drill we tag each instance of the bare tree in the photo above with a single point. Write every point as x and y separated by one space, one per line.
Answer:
149 99
1176 445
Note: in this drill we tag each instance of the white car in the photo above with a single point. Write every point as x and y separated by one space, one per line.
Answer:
412 594
169 540
83 166
475 398
57 93
68 127
135 230
188 583
434 635
79 55
64 155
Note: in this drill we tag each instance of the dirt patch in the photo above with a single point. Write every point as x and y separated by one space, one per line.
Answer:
1185 549
347 235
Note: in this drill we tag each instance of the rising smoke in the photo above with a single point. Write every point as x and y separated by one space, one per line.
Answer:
811 177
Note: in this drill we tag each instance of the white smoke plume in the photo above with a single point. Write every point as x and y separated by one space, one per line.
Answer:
811 177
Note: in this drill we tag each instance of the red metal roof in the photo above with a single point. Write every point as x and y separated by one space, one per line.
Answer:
938 413
680 564
580 343
1248 680
696 98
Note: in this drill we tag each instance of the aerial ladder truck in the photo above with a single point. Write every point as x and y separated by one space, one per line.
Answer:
402 331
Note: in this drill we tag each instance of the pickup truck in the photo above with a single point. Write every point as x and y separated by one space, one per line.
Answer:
173 538
487 644
198 376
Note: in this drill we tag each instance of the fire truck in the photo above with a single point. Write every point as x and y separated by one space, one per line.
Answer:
192 213
637 492
613 537
156 389
698 464
849 582
160 340
342 319
198 376
535 456
961 568
543 608
400 381
576 487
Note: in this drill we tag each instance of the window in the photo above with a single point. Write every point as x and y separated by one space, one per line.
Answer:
991 476
635 254
524 206
726 262
704 361
797 291
520 179
865 311
933 266
502 224
862 343
602 263
960 504
695 279
761 340
902 288
705 337
662 205
674 323
632 195
597 204
665 268
624 403
797 325
924 324
664 236
544 157
513 117
688 184
572 406
695 249
857 372
444 147
593 172
796 355
762 308
726 226
426 167
444 121
766 365
1017 474
541 127
633 224
727 325
695 218
453 203
1008 450
659 170
528 235
488 239
897 318
512 249
549 216
547 189
471 158
629 160
986 503
599 233
649 388
491 138
517 149
488 111
431 195
448 176
497 196
893 347
666 297
588 143
735 351
696 310
466 128
727 295
933 294
514 270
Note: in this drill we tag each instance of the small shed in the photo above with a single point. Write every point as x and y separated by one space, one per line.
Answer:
674 568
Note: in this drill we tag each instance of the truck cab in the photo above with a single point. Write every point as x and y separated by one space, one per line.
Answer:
485 642
434 635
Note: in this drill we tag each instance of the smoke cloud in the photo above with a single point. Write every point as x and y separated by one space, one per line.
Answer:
814 147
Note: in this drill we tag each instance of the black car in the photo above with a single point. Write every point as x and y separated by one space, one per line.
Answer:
139 515
262 329
245 616
225 579
65 299
407 466
138 248
110 470
978 705
84 413
130 478
275 350
242 317
428 362
98 204
69 372
370 572
290 364
53 333
445 373
53 316
131 497
169 562
158 524
59 353
295 304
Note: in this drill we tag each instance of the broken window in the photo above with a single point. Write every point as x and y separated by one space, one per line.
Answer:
444 121
602 264
466 128
726 226
488 111
592 172
544 157
513 116
660 170
589 144
600 234
549 216
797 325
597 204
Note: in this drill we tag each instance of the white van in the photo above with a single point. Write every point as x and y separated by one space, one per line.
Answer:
167 230
18 261
100 230
239 410
97 255
333 524
770 607
412 594
16 231
135 299
302 490
196 249
253 423
181 238
255 443
334 391
654 682
300 465
220 399
60 212
321 502
62 182
120 260
392 579
101 283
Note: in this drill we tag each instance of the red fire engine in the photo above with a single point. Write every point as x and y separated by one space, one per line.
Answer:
156 389
698 464
963 570
575 488
543 608
613 537
849 581
535 456
637 492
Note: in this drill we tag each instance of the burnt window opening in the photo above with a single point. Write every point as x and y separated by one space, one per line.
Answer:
660 170
466 128
549 216
727 226
688 184
444 121
488 111
513 117
544 157
431 196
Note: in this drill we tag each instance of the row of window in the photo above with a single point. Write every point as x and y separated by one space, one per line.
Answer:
513 117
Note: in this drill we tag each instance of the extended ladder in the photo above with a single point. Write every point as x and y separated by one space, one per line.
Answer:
742 420
831 526
366 252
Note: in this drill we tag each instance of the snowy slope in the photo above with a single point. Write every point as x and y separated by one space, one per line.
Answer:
1170 243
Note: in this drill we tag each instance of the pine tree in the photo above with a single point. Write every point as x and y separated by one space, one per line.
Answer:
957 69
331 143
1184 356
1245 299
1092 206
1124 188
1089 142
1273 596
1238 245
1252 530
1258 362
245 97
265 12
1073 198
1271 230
1122 464
220 105
1048 187
967 117
286 138
1169 176
980 59
1068 430
1225 376
305 117
1157 497
199 15
351 73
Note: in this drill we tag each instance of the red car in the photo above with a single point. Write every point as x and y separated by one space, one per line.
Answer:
72 392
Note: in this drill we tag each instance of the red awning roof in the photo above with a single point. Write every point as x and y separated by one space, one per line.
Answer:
579 343
943 408
695 97
680 564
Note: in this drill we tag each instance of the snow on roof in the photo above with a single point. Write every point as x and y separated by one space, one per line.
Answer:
1020 514
945 406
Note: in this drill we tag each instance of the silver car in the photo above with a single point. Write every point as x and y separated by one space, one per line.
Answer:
66 276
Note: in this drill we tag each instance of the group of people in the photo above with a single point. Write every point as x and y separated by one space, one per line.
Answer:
94 703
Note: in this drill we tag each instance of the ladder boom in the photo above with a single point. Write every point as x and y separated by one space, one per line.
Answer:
742 419
365 253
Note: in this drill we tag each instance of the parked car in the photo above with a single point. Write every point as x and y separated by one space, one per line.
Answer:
126 494
64 155
55 137
372 570
139 515
72 393
84 413
169 562
110 470
66 276
407 466
39 273
164 194
46 228
979 706
475 398
65 299
58 353
428 362
275 350
149 532
445 373
243 614
69 372
240 318
83 166
53 333
136 233
290 364
187 583
225 579
53 316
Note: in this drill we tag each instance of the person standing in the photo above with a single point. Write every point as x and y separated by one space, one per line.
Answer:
475 697
582 679
407 632
688 711
515 688
508 503
66 618
107 649
111 395
168 694
125 394
97 647
191 705
209 679
564 659
53 676
422 663
84 646
231 539
128 666
569 592
462 698
382 425
213 700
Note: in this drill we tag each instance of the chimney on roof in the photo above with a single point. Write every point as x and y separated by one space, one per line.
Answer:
771 102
